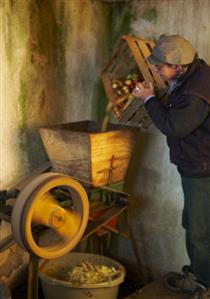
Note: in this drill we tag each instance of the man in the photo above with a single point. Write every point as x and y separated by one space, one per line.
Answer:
185 120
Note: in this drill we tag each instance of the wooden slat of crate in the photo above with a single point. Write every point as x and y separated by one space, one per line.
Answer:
140 58
108 66
128 113
146 47
108 87
141 117
109 71
125 62
123 52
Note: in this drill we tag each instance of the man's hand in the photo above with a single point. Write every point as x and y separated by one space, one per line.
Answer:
144 90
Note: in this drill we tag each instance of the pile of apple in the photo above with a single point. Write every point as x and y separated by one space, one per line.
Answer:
123 89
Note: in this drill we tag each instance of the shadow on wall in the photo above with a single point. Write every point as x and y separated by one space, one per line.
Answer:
137 201
140 150
33 146
155 208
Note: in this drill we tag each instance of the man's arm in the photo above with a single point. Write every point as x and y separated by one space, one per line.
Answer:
181 120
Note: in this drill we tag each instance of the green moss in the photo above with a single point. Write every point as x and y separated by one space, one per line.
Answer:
117 20
15 27
99 101
121 16
58 45
107 23
8 38
150 15
117 17
51 36
22 98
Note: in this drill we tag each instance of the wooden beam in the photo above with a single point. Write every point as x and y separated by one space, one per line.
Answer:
101 221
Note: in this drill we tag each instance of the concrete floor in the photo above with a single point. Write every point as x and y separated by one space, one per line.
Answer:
156 290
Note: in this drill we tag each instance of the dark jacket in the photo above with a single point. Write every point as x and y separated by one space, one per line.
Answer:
185 120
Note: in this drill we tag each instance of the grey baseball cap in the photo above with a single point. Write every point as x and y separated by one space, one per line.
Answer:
172 49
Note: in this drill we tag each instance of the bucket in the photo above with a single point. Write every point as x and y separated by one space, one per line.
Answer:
51 274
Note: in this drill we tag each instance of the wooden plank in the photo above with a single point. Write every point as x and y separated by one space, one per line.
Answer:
142 119
146 52
78 168
108 87
122 67
101 221
33 277
68 149
108 188
118 71
139 37
140 59
115 52
120 59
133 107
110 152
115 231
136 115
140 115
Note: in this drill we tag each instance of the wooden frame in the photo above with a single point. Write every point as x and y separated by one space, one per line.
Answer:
130 56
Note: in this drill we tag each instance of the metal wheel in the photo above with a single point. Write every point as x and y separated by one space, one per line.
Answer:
39 207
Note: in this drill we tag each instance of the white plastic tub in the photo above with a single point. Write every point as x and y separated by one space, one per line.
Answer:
54 287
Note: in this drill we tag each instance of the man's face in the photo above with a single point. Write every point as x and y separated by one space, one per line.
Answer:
168 72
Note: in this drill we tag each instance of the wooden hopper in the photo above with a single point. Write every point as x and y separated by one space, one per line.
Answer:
81 150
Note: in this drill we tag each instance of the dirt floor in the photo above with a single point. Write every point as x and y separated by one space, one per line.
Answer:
125 289
154 290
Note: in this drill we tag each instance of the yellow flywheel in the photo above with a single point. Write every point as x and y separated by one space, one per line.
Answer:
56 205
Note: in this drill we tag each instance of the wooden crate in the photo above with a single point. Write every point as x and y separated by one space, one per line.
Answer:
81 150
129 56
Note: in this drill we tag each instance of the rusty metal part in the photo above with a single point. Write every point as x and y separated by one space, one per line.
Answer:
6 243
36 205
4 291
108 188
33 278
103 220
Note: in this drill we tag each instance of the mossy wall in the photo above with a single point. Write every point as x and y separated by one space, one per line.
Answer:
51 56
52 53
